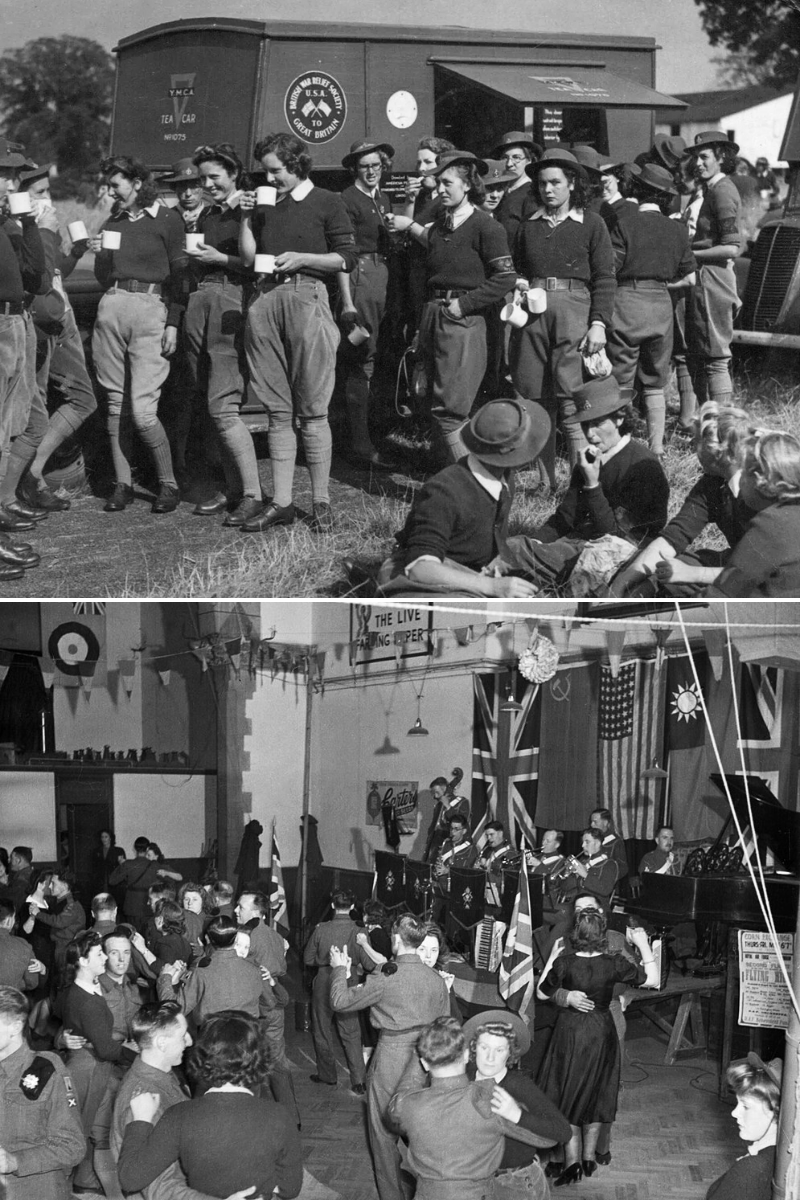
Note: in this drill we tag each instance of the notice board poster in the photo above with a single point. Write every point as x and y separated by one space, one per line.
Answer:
763 995
380 634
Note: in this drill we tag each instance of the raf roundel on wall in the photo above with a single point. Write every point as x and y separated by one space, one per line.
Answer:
71 645
315 107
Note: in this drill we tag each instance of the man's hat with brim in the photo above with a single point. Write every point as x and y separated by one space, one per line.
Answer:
711 137
360 148
12 154
557 158
498 173
659 179
183 171
498 1016
516 138
597 399
669 149
460 158
507 433
32 171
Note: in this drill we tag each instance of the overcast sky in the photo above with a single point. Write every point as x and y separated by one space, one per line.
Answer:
683 63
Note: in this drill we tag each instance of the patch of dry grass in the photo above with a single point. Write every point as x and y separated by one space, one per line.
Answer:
294 562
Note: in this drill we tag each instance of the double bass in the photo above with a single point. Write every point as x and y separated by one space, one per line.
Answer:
437 831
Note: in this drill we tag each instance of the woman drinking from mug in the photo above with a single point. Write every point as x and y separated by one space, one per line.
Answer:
469 270
214 330
140 260
565 250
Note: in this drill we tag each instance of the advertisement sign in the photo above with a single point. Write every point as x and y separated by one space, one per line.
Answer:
763 995
380 634
401 796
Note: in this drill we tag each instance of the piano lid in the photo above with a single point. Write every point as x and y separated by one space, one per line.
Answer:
778 827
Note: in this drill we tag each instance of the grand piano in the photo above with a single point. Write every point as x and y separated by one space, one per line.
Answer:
668 900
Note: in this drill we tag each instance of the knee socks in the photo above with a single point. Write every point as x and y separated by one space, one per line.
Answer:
282 452
238 443
18 460
318 447
155 438
62 424
686 394
655 405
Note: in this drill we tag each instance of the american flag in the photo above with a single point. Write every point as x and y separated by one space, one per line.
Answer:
277 893
629 742
515 982
505 756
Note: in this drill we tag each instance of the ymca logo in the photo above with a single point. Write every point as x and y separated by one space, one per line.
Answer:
181 87
315 108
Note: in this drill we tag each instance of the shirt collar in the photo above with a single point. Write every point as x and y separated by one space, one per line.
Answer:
523 179
735 482
609 454
233 199
371 194
574 214
647 207
301 190
714 180
463 214
487 481
151 210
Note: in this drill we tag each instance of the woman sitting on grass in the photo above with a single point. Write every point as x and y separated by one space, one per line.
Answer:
766 562
667 567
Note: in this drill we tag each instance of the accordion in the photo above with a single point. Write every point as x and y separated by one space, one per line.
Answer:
489 944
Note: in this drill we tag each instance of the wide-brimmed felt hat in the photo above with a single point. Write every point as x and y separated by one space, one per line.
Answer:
183 171
516 138
669 149
556 158
711 137
497 173
32 171
12 154
657 178
452 158
597 399
362 147
507 433
499 1016
587 156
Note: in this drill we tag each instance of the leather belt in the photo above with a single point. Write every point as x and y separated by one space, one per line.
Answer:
12 308
136 285
552 283
447 293
646 284
270 282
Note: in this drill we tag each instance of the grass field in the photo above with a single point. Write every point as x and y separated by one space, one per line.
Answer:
369 510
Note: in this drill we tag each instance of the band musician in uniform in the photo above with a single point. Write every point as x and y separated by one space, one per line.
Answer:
595 868
613 845
446 804
560 883
496 853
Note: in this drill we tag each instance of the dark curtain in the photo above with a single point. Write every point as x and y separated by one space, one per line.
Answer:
23 697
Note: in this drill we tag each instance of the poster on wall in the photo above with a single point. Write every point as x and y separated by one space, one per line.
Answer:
763 995
401 795
380 634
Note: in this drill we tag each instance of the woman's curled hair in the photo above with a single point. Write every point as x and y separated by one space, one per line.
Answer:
77 949
498 1029
172 917
745 1079
290 150
773 459
225 154
589 932
131 168
230 1048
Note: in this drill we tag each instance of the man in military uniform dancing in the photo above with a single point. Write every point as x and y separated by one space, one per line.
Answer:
41 1137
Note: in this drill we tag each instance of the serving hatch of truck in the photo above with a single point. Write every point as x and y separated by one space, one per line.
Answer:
190 82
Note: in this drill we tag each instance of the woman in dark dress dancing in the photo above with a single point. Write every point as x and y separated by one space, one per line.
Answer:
580 1071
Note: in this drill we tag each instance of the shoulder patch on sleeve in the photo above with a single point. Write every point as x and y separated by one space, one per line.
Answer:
36 1077
72 1099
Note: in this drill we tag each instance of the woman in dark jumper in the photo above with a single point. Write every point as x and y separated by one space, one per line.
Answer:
564 249
136 331
469 270
86 1014
229 1137
757 1086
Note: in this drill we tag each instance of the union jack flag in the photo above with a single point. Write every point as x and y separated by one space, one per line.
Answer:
505 756
515 980
761 723
277 893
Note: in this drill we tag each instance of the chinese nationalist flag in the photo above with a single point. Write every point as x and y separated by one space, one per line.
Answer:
697 809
